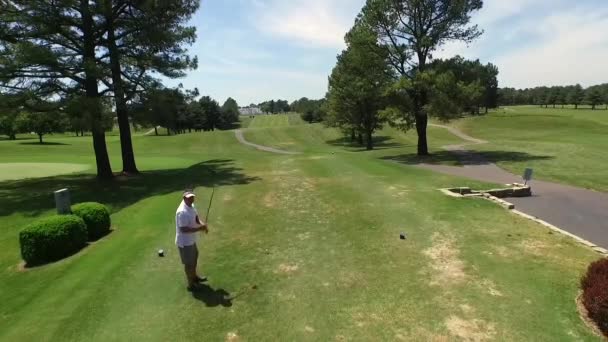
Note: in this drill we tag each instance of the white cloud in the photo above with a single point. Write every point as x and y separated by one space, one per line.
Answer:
573 49
315 23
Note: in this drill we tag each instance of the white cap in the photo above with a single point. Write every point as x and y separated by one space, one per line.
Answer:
189 194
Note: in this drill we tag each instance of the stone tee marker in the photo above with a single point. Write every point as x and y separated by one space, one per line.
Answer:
62 202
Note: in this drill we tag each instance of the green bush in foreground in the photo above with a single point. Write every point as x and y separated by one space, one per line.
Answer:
52 238
96 216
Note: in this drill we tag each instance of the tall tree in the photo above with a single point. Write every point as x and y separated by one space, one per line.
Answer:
144 36
230 113
358 84
41 123
594 97
54 49
411 30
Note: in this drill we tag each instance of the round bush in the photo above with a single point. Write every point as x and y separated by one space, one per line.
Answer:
96 216
52 238
595 293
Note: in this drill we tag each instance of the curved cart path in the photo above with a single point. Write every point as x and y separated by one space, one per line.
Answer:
239 136
579 211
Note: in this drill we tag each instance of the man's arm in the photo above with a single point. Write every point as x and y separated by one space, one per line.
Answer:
190 230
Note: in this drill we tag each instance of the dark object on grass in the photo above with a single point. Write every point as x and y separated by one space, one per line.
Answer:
402 236
595 293
161 253
96 216
52 238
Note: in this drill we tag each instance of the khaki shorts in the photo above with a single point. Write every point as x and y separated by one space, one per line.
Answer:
188 254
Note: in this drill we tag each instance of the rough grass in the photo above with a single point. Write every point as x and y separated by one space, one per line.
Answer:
317 234
562 145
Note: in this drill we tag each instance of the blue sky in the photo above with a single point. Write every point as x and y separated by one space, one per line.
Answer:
254 50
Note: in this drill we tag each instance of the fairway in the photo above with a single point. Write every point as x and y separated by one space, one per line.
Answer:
562 145
317 234
15 171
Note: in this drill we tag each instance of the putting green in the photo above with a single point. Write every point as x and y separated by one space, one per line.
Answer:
15 171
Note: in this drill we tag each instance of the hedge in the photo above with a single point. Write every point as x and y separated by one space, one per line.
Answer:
96 216
595 293
52 238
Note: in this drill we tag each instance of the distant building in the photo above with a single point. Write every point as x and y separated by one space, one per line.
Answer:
250 111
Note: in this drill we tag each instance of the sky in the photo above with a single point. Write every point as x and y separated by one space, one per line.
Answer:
257 50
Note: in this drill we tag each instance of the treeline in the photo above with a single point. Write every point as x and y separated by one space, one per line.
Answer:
16 117
575 95
179 111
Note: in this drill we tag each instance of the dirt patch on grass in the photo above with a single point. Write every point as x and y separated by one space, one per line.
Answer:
270 200
309 329
584 315
287 268
534 247
470 330
445 262
490 286
232 337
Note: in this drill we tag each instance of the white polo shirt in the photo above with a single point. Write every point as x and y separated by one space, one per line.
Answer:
185 216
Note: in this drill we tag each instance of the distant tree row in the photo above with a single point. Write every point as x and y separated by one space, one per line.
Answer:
310 110
179 111
575 95
18 115
274 107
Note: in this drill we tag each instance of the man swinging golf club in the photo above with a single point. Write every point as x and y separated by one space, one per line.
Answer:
187 228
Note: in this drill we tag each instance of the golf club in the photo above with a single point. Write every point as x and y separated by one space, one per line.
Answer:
209 207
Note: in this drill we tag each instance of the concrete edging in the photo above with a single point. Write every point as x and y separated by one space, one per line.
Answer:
511 207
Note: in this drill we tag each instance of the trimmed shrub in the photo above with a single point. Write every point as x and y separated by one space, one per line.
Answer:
96 216
595 293
52 238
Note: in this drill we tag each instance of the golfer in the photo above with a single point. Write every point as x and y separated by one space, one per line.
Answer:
187 228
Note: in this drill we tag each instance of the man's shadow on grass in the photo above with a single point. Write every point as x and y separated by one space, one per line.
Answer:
212 297
33 196
466 157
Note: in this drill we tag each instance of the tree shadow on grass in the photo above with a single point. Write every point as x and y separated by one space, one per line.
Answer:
212 297
380 143
45 143
33 196
466 157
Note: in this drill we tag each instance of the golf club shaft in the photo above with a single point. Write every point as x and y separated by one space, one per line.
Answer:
209 207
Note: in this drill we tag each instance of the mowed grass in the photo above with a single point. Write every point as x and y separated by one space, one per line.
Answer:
562 145
275 120
317 233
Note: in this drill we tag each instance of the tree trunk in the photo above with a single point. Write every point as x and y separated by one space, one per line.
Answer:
12 136
122 112
360 139
576 106
486 110
421 123
421 117
40 138
155 130
352 135
82 132
104 170
189 130
370 141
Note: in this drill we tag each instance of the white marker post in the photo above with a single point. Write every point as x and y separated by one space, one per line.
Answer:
62 202
527 175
